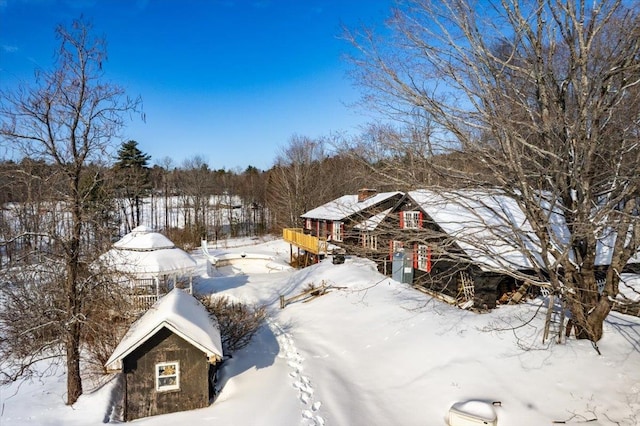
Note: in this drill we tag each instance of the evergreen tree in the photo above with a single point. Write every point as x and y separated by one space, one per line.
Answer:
134 180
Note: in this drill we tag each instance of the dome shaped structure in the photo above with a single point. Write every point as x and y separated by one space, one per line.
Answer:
150 263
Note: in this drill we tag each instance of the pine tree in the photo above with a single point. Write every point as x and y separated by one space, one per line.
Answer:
134 179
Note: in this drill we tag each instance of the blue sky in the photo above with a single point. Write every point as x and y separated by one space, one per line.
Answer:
229 80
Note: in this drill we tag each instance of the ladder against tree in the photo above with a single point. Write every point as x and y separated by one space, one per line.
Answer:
554 321
466 287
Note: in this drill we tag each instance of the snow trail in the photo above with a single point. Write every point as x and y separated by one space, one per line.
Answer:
288 350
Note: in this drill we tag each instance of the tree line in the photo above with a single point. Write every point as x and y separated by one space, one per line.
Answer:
190 201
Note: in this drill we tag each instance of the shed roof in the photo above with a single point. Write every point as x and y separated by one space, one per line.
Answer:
347 205
179 312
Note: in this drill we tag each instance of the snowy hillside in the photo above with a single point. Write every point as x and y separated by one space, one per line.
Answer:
373 351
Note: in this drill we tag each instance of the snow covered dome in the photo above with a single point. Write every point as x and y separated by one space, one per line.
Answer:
143 238
148 254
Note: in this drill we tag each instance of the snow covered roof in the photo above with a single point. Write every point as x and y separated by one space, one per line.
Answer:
143 238
346 206
604 250
183 315
373 222
148 254
482 225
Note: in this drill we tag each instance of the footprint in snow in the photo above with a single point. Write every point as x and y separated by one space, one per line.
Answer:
295 365
301 382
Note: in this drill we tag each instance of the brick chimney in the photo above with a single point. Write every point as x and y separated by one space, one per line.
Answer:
366 193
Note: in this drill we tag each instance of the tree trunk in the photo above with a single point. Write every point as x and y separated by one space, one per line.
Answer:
592 326
74 381
73 327
588 308
137 211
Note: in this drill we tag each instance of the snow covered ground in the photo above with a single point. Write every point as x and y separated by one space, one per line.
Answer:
376 352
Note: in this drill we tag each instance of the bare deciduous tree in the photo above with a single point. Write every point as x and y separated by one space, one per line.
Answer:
164 184
66 119
545 96
306 175
237 322
295 183
193 182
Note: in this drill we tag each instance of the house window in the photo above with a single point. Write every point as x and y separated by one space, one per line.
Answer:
336 232
167 376
370 241
394 247
410 220
307 223
424 258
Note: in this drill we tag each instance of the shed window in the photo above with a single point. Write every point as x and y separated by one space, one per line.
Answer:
167 376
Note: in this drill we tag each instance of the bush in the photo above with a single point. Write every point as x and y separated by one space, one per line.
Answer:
238 322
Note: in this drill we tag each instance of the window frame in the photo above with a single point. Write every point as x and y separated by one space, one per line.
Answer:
158 377
370 241
423 262
336 231
411 219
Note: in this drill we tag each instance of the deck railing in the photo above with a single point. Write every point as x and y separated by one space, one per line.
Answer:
146 291
143 302
297 237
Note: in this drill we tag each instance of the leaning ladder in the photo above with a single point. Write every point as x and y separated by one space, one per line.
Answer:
468 290
554 321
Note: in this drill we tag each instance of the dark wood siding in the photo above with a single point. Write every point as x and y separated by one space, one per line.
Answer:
142 399
351 237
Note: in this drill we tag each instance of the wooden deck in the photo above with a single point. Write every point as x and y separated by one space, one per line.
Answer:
309 243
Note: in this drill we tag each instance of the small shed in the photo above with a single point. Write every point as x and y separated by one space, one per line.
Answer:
168 358
150 265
